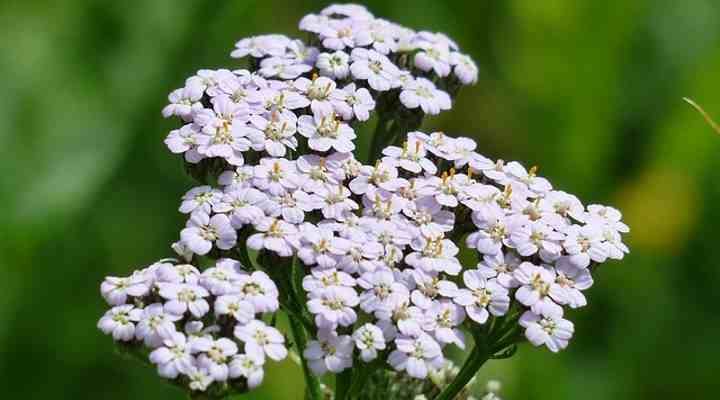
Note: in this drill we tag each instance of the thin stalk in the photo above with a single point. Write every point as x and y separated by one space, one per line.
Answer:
313 390
478 356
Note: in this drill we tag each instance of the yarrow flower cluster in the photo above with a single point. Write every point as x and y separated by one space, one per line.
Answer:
365 259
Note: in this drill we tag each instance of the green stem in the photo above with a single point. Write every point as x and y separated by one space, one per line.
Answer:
313 390
479 355
343 382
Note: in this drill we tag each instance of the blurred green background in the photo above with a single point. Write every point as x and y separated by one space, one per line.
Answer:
588 90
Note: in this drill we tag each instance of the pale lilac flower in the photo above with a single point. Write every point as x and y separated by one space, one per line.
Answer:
261 339
430 287
434 255
185 297
482 296
200 199
569 283
613 243
275 235
184 140
199 378
534 292
333 306
301 53
325 98
320 246
329 352
403 318
548 329
325 132
494 231
173 357
260 290
429 218
202 231
233 305
243 204
216 355
320 279
339 34
355 12
584 244
180 273
362 255
382 292
335 201
274 135
116 290
464 68
282 99
423 93
501 267
607 215
416 355
411 157
120 321
375 68
369 339
535 236
248 366
184 100
282 68
358 103
276 176
334 65
155 325
239 178
442 319
435 57
290 206
261 46
382 175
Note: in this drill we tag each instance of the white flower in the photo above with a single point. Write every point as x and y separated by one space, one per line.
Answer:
607 215
273 136
180 273
276 176
464 68
320 279
584 244
185 297
329 352
260 290
202 231
416 355
325 132
548 329
534 291
423 93
233 305
248 366
429 287
290 206
333 306
261 340
382 292
535 183
243 204
434 254
359 103
185 140
442 319
282 68
435 57
275 235
320 246
200 199
335 65
482 296
369 339
411 157
116 290
534 236
120 322
500 266
238 178
155 325
200 378
375 68
184 100
173 357
382 175
336 201
362 255
261 46
216 355
569 283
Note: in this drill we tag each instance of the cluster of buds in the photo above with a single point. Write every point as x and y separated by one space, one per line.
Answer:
364 259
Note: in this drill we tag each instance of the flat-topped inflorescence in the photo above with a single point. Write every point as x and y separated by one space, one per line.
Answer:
363 258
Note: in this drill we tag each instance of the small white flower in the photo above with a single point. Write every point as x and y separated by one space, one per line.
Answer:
202 231
334 65
261 46
382 292
216 355
248 366
275 235
173 357
320 246
482 296
260 290
243 204
261 339
325 132
442 319
233 305
120 321
200 378
375 68
416 355
156 325
329 352
276 176
464 68
185 297
369 339
200 199
548 329
116 290
333 306
358 103
434 255
534 292
423 93
411 157
282 68
274 135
